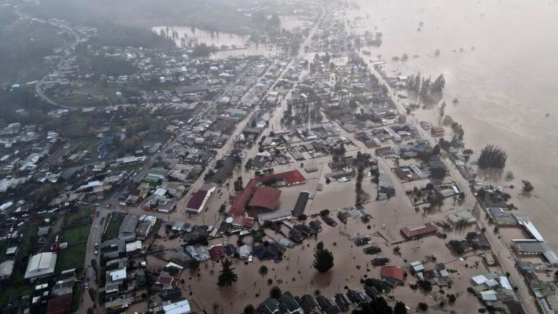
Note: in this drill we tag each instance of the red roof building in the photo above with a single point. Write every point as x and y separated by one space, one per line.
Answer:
217 253
199 199
267 198
418 232
59 305
393 272
293 177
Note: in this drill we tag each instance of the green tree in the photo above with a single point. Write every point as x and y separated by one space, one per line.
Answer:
492 157
436 150
320 246
93 295
226 275
194 264
438 173
263 270
527 186
275 292
400 308
209 175
90 310
439 84
423 306
323 260
249 309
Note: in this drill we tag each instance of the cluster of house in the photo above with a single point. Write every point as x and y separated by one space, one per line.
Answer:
396 133
341 302
494 289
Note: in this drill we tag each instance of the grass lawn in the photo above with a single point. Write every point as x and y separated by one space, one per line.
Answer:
71 257
9 288
76 234
76 296
112 229
29 243
78 215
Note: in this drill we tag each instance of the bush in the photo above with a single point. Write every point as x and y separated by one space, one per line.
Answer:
263 270
527 186
275 292
425 285
249 309
423 306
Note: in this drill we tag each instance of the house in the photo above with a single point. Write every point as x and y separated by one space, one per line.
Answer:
127 231
290 303
418 232
40 266
244 251
272 306
59 305
63 287
217 253
198 200
393 273
166 281
6 269
181 307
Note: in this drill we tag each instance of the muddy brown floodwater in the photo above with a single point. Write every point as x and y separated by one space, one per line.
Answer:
505 85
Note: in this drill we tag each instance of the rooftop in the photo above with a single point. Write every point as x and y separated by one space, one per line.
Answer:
182 307
198 199
393 272
265 197
240 201
40 265
419 231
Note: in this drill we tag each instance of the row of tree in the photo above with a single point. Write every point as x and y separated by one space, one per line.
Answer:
425 87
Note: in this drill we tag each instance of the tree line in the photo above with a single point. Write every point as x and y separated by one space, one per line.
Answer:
425 87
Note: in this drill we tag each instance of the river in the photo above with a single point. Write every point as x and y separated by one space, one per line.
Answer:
506 84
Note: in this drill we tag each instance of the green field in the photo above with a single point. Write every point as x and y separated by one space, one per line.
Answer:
78 215
129 168
77 234
112 229
71 257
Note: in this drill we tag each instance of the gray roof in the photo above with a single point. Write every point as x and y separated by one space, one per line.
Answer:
129 223
43 231
63 287
40 265
531 247
6 269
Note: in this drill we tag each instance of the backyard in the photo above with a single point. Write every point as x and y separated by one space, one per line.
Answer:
78 216
71 257
76 234
113 227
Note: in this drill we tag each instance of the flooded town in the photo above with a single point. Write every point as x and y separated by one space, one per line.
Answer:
291 161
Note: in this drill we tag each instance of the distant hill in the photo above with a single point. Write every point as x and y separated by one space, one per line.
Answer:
216 15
